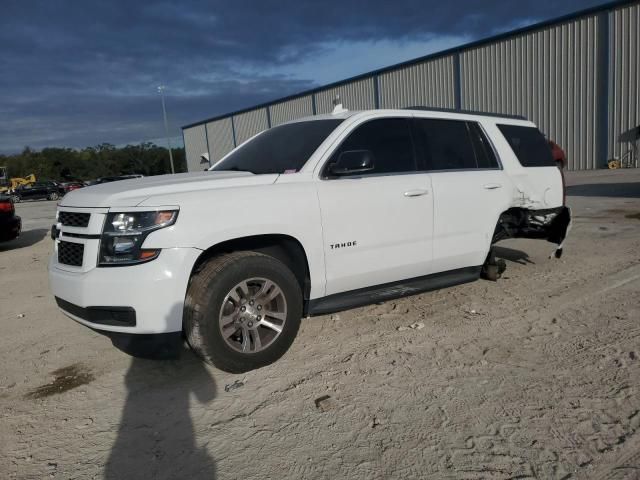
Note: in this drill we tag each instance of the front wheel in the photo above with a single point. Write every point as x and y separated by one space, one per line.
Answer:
242 311
15 198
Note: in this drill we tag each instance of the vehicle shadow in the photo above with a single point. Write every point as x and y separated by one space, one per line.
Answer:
156 435
616 190
26 239
512 255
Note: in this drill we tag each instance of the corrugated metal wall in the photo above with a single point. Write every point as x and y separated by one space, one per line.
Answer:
429 84
579 80
291 110
249 123
358 95
624 75
195 144
220 137
547 76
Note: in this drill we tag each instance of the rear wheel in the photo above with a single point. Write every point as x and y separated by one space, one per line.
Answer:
242 311
53 196
15 198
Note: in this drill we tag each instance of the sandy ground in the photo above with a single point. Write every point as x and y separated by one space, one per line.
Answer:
535 376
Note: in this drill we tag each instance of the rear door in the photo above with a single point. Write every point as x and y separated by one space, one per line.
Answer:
40 190
470 190
377 226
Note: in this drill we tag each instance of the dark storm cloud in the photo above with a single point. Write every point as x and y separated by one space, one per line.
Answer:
77 73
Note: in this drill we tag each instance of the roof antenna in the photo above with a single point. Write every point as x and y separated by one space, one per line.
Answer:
337 106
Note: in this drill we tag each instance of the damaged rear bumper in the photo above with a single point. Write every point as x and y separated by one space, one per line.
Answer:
552 225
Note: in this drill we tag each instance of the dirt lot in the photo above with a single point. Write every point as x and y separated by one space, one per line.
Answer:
535 376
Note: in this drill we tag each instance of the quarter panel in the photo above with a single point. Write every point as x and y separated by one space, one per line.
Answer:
534 188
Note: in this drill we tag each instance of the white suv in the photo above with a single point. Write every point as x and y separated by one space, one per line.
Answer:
313 216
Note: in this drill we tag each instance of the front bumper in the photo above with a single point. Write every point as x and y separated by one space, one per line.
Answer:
155 291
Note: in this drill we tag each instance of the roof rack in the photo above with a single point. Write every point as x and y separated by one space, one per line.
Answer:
468 112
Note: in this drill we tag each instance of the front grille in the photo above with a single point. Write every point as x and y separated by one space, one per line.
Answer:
74 219
70 253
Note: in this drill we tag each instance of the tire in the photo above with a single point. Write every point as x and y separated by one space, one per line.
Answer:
211 302
15 198
53 196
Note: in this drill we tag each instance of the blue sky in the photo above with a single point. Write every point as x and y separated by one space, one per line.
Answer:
79 73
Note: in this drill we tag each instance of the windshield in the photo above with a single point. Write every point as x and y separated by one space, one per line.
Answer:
282 149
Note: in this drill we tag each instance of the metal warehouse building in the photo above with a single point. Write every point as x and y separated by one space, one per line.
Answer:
576 77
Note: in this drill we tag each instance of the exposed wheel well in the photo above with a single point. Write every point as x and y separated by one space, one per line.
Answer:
282 247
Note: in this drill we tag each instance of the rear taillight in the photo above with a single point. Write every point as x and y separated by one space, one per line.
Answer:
6 206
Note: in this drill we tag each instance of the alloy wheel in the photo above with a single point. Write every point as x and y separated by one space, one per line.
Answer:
253 315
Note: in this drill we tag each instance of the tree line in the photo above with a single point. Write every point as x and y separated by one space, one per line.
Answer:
65 164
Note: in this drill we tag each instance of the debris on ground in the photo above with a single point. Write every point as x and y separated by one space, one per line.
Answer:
325 403
234 386
347 358
413 326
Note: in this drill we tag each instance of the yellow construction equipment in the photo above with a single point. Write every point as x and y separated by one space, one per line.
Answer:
17 182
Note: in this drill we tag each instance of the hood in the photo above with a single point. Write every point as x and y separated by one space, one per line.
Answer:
130 193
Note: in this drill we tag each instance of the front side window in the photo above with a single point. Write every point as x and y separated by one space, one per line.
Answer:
388 140
282 149
529 145
446 144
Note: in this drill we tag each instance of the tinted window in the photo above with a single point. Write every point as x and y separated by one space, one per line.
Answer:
446 144
529 145
389 141
280 149
485 156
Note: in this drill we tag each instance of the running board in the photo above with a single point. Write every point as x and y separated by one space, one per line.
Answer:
389 291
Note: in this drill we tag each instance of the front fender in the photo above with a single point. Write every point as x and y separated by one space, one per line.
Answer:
229 214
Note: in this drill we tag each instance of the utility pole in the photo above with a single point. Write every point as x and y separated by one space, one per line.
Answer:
166 125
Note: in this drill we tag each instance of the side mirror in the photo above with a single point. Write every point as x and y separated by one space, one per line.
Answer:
352 161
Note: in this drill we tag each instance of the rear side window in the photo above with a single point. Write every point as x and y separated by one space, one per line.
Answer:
388 139
445 144
485 156
529 145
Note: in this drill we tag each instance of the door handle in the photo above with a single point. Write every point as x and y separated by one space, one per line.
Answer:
492 186
415 193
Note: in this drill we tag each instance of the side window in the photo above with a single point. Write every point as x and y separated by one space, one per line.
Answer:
529 145
485 155
388 139
446 144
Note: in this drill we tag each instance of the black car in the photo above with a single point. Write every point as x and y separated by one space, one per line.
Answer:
10 224
38 190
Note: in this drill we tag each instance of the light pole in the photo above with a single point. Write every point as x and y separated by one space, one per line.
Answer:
166 125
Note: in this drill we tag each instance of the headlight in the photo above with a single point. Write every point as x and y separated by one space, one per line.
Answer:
124 233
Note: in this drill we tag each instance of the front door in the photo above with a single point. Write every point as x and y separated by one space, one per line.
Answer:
377 226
